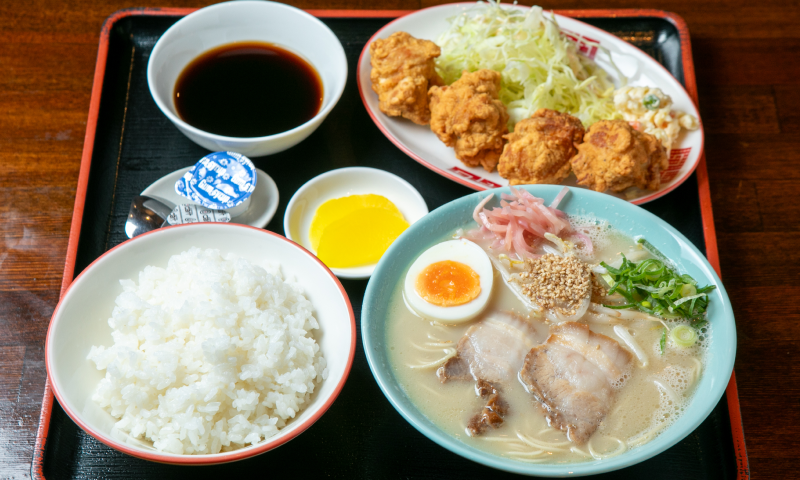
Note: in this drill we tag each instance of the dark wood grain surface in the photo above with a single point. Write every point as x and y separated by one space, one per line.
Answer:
747 57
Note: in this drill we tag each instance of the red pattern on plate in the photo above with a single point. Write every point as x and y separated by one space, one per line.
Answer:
475 178
586 46
677 158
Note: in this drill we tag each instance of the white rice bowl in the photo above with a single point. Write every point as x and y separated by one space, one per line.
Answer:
211 354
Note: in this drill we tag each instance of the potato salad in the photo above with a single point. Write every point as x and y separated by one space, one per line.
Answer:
650 110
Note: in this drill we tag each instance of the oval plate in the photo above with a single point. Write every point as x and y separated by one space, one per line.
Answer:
627 218
418 142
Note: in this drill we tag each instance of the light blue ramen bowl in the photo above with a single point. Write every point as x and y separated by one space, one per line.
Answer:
627 218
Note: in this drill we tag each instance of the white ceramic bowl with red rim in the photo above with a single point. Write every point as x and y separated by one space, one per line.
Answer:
80 321
418 142
247 21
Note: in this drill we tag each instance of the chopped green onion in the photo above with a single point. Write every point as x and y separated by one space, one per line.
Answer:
620 307
686 299
651 248
654 287
651 102
698 324
683 336
611 269
662 345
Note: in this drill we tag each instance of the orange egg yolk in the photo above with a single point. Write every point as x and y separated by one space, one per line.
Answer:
448 283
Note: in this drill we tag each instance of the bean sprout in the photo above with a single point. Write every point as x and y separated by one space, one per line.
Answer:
602 318
626 314
669 392
626 337
696 371
579 312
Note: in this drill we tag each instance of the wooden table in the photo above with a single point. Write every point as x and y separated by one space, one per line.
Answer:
747 56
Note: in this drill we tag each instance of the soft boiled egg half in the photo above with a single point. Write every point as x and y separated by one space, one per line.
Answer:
450 282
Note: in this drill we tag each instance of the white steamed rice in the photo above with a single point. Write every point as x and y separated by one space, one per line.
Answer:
210 354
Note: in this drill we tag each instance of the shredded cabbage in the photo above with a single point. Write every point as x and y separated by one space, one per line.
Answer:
539 66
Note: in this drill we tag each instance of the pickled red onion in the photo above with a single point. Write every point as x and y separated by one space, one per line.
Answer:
521 219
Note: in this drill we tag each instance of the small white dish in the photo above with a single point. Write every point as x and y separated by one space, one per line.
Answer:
263 200
247 21
341 183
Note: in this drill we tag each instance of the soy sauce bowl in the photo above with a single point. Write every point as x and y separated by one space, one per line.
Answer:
247 21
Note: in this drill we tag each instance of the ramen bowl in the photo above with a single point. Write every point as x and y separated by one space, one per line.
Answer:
624 217
247 21
80 321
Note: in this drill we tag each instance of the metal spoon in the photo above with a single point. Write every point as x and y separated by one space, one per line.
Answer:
145 214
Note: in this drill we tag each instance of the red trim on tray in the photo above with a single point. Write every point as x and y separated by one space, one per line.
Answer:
37 464
732 391
75 227
737 429
683 33
712 252
743 471
217 458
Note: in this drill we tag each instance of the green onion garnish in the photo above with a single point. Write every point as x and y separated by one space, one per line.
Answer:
651 102
683 336
652 286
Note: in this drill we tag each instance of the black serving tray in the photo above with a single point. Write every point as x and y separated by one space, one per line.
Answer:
361 435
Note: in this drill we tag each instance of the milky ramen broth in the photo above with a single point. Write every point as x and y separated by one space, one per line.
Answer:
650 399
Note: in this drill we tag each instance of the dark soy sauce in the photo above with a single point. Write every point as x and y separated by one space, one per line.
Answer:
248 89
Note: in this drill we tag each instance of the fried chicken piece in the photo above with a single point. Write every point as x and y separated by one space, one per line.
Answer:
402 72
540 148
615 156
469 116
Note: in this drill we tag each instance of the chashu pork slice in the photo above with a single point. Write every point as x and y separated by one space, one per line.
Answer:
573 375
493 349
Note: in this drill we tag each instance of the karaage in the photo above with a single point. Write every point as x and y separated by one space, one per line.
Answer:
402 72
469 116
615 156
540 148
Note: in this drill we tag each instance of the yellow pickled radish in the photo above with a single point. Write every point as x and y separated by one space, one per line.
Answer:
337 208
360 237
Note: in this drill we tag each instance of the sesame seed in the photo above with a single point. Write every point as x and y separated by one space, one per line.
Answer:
555 282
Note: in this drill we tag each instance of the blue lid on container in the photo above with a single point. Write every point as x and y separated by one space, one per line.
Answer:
220 180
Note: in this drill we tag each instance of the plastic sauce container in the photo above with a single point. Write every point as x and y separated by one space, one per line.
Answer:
220 181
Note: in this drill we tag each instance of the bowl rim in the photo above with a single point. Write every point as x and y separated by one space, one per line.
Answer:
290 207
321 114
691 420
212 458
